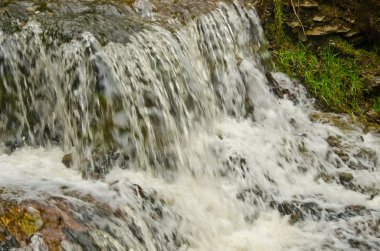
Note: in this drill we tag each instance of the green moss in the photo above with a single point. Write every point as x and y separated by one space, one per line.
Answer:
29 223
346 49
278 19
21 222
332 79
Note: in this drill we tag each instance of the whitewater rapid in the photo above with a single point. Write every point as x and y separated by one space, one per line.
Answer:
201 202
214 160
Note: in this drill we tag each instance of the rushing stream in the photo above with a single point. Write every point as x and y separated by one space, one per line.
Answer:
179 139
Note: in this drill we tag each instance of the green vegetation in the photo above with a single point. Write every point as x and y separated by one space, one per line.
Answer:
331 74
335 72
332 79
278 19
376 105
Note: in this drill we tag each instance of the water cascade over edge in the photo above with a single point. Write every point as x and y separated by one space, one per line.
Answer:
190 147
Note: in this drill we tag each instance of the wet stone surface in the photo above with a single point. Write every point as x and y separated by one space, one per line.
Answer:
78 220
112 20
299 211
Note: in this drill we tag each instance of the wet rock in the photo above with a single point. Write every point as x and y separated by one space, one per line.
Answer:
139 191
235 165
82 238
253 196
312 209
100 164
149 202
12 145
325 30
354 156
108 20
347 180
20 222
345 177
361 233
249 107
35 224
325 177
334 141
154 206
288 208
344 123
360 245
338 149
67 160
8 243
59 222
300 210
355 210
342 154
105 161
365 159
277 89
37 243
70 18
136 231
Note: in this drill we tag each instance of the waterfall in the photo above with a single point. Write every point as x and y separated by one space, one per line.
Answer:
177 140
142 97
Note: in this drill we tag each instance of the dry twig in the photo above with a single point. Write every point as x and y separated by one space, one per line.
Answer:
299 19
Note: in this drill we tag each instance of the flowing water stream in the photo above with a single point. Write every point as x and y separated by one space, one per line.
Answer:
178 142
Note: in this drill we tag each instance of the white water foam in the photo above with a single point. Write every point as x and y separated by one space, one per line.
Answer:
204 199
234 175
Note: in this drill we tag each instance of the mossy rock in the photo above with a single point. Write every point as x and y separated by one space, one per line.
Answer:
21 222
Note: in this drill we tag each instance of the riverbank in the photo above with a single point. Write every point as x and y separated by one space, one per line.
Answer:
332 48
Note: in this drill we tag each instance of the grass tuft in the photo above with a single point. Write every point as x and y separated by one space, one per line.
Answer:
330 78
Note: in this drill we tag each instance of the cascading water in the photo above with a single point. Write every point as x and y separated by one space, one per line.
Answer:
191 148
